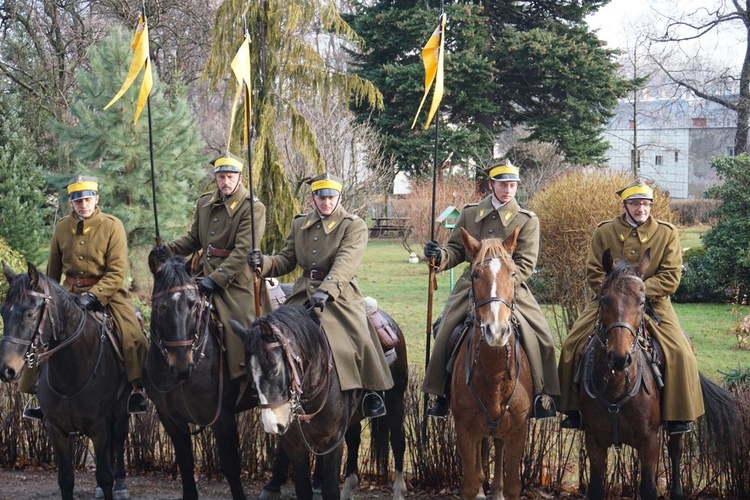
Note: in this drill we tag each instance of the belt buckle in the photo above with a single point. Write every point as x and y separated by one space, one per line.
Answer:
210 250
78 281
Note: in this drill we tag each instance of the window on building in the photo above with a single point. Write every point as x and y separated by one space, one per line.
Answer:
631 124
676 156
659 160
730 151
699 122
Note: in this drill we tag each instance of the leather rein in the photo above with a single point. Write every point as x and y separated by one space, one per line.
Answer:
473 359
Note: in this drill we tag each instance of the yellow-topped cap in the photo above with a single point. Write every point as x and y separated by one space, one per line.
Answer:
503 170
82 186
326 185
635 190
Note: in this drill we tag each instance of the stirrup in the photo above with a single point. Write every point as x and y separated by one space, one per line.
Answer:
440 409
544 407
678 427
32 412
137 403
375 407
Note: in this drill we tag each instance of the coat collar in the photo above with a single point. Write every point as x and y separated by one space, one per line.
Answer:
329 223
506 213
645 231
232 204
89 223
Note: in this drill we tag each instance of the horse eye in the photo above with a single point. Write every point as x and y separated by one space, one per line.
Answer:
30 314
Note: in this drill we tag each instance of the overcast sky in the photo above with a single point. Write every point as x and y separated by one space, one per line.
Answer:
620 19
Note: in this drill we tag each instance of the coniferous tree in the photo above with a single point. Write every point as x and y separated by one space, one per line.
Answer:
24 212
107 144
288 71
507 63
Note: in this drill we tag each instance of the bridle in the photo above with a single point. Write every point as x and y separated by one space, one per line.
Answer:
472 360
197 342
298 376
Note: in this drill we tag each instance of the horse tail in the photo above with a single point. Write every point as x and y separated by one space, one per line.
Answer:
721 421
379 439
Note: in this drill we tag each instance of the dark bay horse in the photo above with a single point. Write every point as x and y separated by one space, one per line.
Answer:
186 377
383 431
618 392
491 389
82 386
301 399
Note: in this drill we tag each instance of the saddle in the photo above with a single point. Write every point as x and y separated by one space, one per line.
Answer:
107 325
387 336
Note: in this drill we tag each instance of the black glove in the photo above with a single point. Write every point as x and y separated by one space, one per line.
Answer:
255 259
432 251
89 302
319 299
207 286
160 253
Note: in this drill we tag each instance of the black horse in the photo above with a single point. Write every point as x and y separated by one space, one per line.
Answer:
82 387
302 401
186 377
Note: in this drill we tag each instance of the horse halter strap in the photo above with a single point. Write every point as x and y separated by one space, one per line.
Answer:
165 344
479 303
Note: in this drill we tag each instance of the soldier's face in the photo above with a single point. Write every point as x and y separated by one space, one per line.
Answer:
227 182
504 191
325 204
84 207
638 210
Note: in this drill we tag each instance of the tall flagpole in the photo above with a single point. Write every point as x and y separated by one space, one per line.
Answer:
157 236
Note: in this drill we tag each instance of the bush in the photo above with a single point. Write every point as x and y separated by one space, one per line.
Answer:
698 283
14 260
692 212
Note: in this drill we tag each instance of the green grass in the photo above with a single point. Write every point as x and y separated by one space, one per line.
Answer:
690 237
401 291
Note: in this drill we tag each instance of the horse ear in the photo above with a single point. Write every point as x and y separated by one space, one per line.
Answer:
510 242
644 263
607 261
153 263
9 274
33 275
471 244
239 330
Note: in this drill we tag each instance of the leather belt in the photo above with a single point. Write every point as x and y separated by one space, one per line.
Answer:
81 281
314 274
212 251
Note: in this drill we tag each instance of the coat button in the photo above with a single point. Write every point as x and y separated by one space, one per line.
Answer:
216 219
80 243
317 226
80 257
314 252
315 239
491 231
314 264
213 233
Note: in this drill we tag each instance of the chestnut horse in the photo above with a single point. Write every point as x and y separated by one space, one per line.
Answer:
491 397
619 395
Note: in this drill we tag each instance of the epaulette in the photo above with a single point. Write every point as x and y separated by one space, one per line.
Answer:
300 215
665 223
208 193
603 222
468 205
351 216
526 212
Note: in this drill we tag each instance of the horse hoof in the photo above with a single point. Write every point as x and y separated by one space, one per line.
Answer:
269 495
121 494
98 492
351 483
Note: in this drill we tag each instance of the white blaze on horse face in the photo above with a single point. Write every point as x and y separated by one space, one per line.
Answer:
275 420
498 330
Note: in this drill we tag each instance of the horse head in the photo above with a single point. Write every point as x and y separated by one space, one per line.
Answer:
493 280
282 351
179 316
622 302
24 312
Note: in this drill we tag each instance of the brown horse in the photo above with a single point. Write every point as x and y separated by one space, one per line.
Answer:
491 397
619 395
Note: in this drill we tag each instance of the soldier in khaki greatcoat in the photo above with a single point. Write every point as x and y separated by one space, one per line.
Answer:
90 248
222 229
328 244
628 237
496 216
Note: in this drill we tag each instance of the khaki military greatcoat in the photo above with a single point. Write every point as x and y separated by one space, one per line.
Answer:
333 247
682 399
96 247
224 225
483 221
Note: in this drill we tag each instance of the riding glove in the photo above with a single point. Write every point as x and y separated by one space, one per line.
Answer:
255 259
89 302
207 286
432 251
319 299
160 253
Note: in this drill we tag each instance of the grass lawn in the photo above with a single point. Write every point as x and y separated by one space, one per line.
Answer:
690 237
401 291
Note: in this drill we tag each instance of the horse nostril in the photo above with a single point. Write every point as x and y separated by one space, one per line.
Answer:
279 429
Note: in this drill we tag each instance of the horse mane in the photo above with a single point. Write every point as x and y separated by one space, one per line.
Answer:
17 290
493 247
296 323
619 276
172 273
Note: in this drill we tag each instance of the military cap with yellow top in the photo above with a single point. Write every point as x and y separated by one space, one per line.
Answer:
326 184
502 170
228 163
82 186
636 190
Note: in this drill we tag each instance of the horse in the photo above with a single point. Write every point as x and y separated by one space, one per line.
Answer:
185 374
491 396
384 430
82 386
619 391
